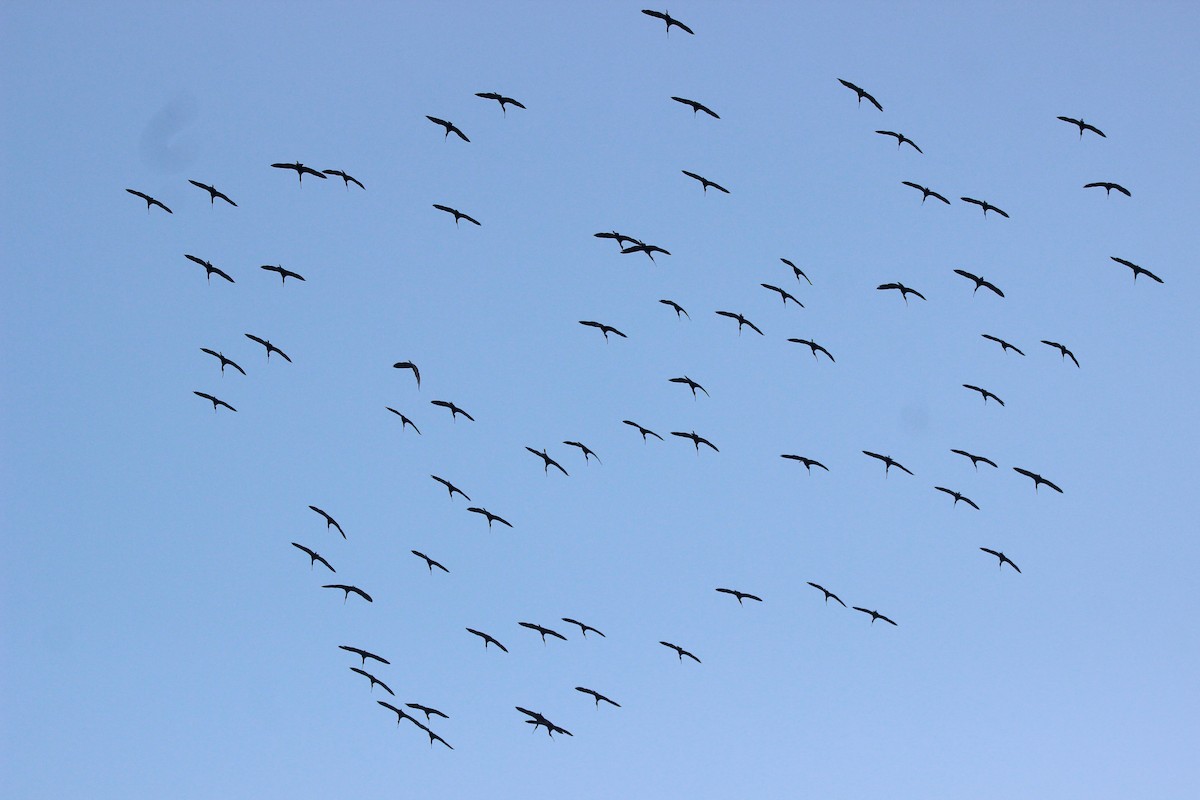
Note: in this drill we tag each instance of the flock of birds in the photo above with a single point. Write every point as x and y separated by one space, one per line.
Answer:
628 245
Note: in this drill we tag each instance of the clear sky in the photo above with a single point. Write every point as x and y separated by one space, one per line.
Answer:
162 638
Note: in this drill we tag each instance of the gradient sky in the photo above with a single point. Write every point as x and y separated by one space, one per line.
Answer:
161 637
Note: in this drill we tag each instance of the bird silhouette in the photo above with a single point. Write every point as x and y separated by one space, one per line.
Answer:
985 205
582 627
691 384
543 631
979 282
314 557
1037 479
597 696
742 321
346 179
705 182
429 562
799 272
454 410
1083 126
986 394
216 401
224 361
975 459
900 287
861 93
401 714
537 721
588 453
284 274
348 589
1108 187
648 249
409 365
1137 270
901 139
958 496
605 329
547 461
150 201
874 615
1004 346
487 639
1003 558
678 308
374 681
643 431
404 421
680 651
213 194
808 463
814 347
740 595
501 99
301 170
1062 349
427 711
490 516
330 522
209 269
619 238
457 214
888 462
697 440
270 347
451 488
926 192
667 18
696 107
363 653
828 594
783 294
433 737
449 126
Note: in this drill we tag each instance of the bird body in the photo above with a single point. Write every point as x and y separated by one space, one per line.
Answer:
210 270
270 347
347 588
605 329
1083 126
1004 346
648 249
301 170
501 99
696 107
1137 270
901 139
783 294
346 179
1038 480
678 308
588 453
150 201
404 421
373 680
224 360
740 595
487 639
216 401
330 522
984 392
542 630
457 214
888 462
974 458
490 516
1003 558
680 651
926 192
597 696
409 365
741 320
643 431
902 289
691 384
985 205
547 461
449 126
808 463
429 562
213 194
1062 349
1108 187
284 274
697 440
705 182
874 615
814 347
958 496
582 627
450 487
828 594
669 20
314 557
798 272
861 93
454 410
363 653
979 282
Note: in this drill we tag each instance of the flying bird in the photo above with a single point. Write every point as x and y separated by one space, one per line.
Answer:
346 179
678 308
1137 270
975 459
216 401
348 589
900 287
582 627
874 615
374 681
409 365
449 126
619 238
543 631
429 562
986 394
901 139
454 410
742 321
1062 349
401 714
808 463
828 594
433 737
705 182
547 461
490 516
861 93
451 488
210 270
1004 346
926 192
270 347
224 361
363 653
814 347
697 440
487 639
1037 479
696 107
150 201
985 205
691 384
958 496
457 214
314 557
597 696
783 294
648 249
888 462
427 711
643 431
404 421
501 99
680 651
799 272
537 720
213 194
1003 558
588 453
301 170
284 274
605 329
667 18
740 595
1083 126
330 522
1108 187
979 282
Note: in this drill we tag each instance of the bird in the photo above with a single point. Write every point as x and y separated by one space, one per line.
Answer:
454 410
582 627
597 696
901 139
284 274
404 421
643 431
487 639
979 282
1037 479
900 287
740 595
975 459
691 384
401 714
547 461
1108 187
1003 558
667 18
926 192
605 329
314 557
696 107
409 365
213 194
433 737
799 272
150 201
449 126
648 249
429 562
216 401
985 205
451 488
543 631
363 653
680 651
348 589
705 182
1062 349
224 360
742 321
828 594
490 516
888 462
783 294
619 238
346 179
270 347
808 463
957 496
678 308
874 615
814 347
373 681
1004 346
986 394
427 710
301 170
501 99
538 720
209 269
550 729
330 522
697 440
1136 269
588 453
457 214
861 93
1083 126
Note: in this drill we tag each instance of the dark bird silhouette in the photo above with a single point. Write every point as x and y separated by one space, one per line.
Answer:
346 179
1062 349
433 737
501 99
705 182
1003 558
740 595
429 562
1037 479
301 170
1083 126
874 615
454 410
926 192
783 294
974 458
270 347
210 270
550 729
986 394
409 365
888 462
696 107
1108 187
619 238
680 651
678 308
363 653
828 594
1004 346
404 421
900 287
213 194
547 461
348 589
537 720
808 463
742 321
374 681
150 201
901 139
487 639
648 249
861 93
605 329
691 384
314 557
597 696
449 126
543 631
224 360
427 711
401 714
985 205
697 440
284 274
490 516
587 451
582 627
958 496
330 522
457 214
216 401
667 18
451 488
814 347
643 431
979 282
1137 270
799 272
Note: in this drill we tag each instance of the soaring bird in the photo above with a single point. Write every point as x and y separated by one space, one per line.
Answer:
427 711
874 615
433 737
814 347
1003 558
404 421
216 401
284 274
588 453
429 562
449 126
697 440
741 321
150 201
901 139
501 99
740 595
691 384
1004 346
457 214
454 410
1083 126
643 431
958 496
648 249
975 459
808 463
409 365
926 192
270 347
543 631
1137 270
799 272
213 194
1037 479
900 287
582 627
346 179
348 589
667 18
374 681
979 282
784 295
363 653
487 639
985 205
828 594
1062 349
680 651
696 107
210 270
705 182
451 488
401 714
1108 187
330 522
597 696
619 238
538 720
861 93
490 516
678 308
547 461
314 557
986 394
888 462
605 329
301 170
224 360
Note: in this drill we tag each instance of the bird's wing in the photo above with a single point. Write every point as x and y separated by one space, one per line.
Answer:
874 102
939 197
898 465
1025 472
888 286
969 502
693 175
1001 212
1094 129
874 455
967 275
469 218
971 200
994 288
263 342
447 209
918 294
756 329
221 274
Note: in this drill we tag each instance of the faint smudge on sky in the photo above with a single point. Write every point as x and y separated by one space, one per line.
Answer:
163 147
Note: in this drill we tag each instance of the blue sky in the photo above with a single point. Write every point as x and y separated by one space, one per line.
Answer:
163 638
